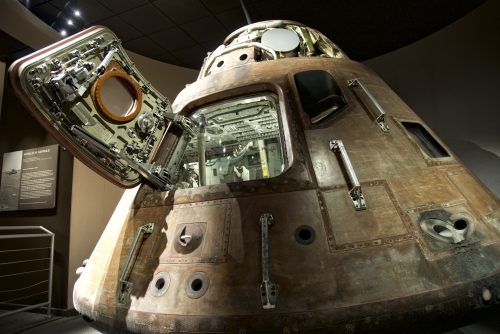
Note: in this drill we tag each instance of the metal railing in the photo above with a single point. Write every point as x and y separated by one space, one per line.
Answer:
22 268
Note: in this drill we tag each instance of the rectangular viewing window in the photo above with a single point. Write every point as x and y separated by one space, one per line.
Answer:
238 140
319 94
425 140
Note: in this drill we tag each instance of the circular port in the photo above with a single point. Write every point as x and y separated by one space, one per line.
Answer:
446 227
460 224
219 64
305 234
117 95
243 57
160 283
197 285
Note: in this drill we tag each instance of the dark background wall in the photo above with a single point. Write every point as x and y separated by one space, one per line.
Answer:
19 131
451 79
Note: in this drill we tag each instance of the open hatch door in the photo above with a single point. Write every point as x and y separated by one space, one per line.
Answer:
88 94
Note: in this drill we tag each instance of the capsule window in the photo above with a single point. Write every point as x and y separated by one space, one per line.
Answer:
319 93
425 140
117 95
236 140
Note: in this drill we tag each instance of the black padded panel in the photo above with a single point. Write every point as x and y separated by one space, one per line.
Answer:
319 94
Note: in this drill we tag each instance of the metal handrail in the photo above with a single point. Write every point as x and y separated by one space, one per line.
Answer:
44 233
380 115
355 187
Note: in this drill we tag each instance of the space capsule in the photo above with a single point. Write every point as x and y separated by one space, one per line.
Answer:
288 189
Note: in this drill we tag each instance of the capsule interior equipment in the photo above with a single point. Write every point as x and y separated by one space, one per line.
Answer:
288 189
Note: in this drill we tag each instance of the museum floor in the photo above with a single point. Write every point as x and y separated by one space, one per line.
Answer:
33 323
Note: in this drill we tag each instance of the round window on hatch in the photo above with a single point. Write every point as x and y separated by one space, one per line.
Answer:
117 95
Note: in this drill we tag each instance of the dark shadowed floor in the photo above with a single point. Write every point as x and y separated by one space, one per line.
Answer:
33 323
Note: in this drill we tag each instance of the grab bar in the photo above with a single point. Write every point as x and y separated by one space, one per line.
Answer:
268 289
380 118
355 192
142 233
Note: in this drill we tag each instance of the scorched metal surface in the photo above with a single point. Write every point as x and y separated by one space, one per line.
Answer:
288 189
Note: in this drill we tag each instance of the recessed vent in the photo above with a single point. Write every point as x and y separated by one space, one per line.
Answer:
425 140
319 94
305 234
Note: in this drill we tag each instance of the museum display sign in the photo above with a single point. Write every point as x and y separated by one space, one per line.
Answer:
29 179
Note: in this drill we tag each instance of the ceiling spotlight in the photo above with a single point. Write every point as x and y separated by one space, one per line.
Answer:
76 12
69 22
63 32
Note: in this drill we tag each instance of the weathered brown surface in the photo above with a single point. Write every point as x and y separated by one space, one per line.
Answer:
366 270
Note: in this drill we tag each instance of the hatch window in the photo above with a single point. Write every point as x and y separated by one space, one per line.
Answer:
117 95
237 140
425 140
319 94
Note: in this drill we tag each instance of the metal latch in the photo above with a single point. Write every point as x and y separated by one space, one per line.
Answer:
380 117
355 191
142 234
157 175
101 68
268 290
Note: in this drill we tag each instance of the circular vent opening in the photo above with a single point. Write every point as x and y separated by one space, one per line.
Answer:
460 224
196 284
160 283
304 234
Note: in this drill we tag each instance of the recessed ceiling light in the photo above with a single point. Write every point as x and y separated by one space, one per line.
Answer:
70 22
76 12
63 32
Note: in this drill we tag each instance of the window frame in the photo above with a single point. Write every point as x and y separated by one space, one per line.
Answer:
431 161
275 93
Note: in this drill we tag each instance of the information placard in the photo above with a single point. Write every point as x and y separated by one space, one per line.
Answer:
29 179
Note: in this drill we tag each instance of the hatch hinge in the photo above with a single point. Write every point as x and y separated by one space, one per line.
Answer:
72 79
185 123
268 289
101 68
157 175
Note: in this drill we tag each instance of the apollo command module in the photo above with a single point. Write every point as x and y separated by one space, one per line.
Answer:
288 189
